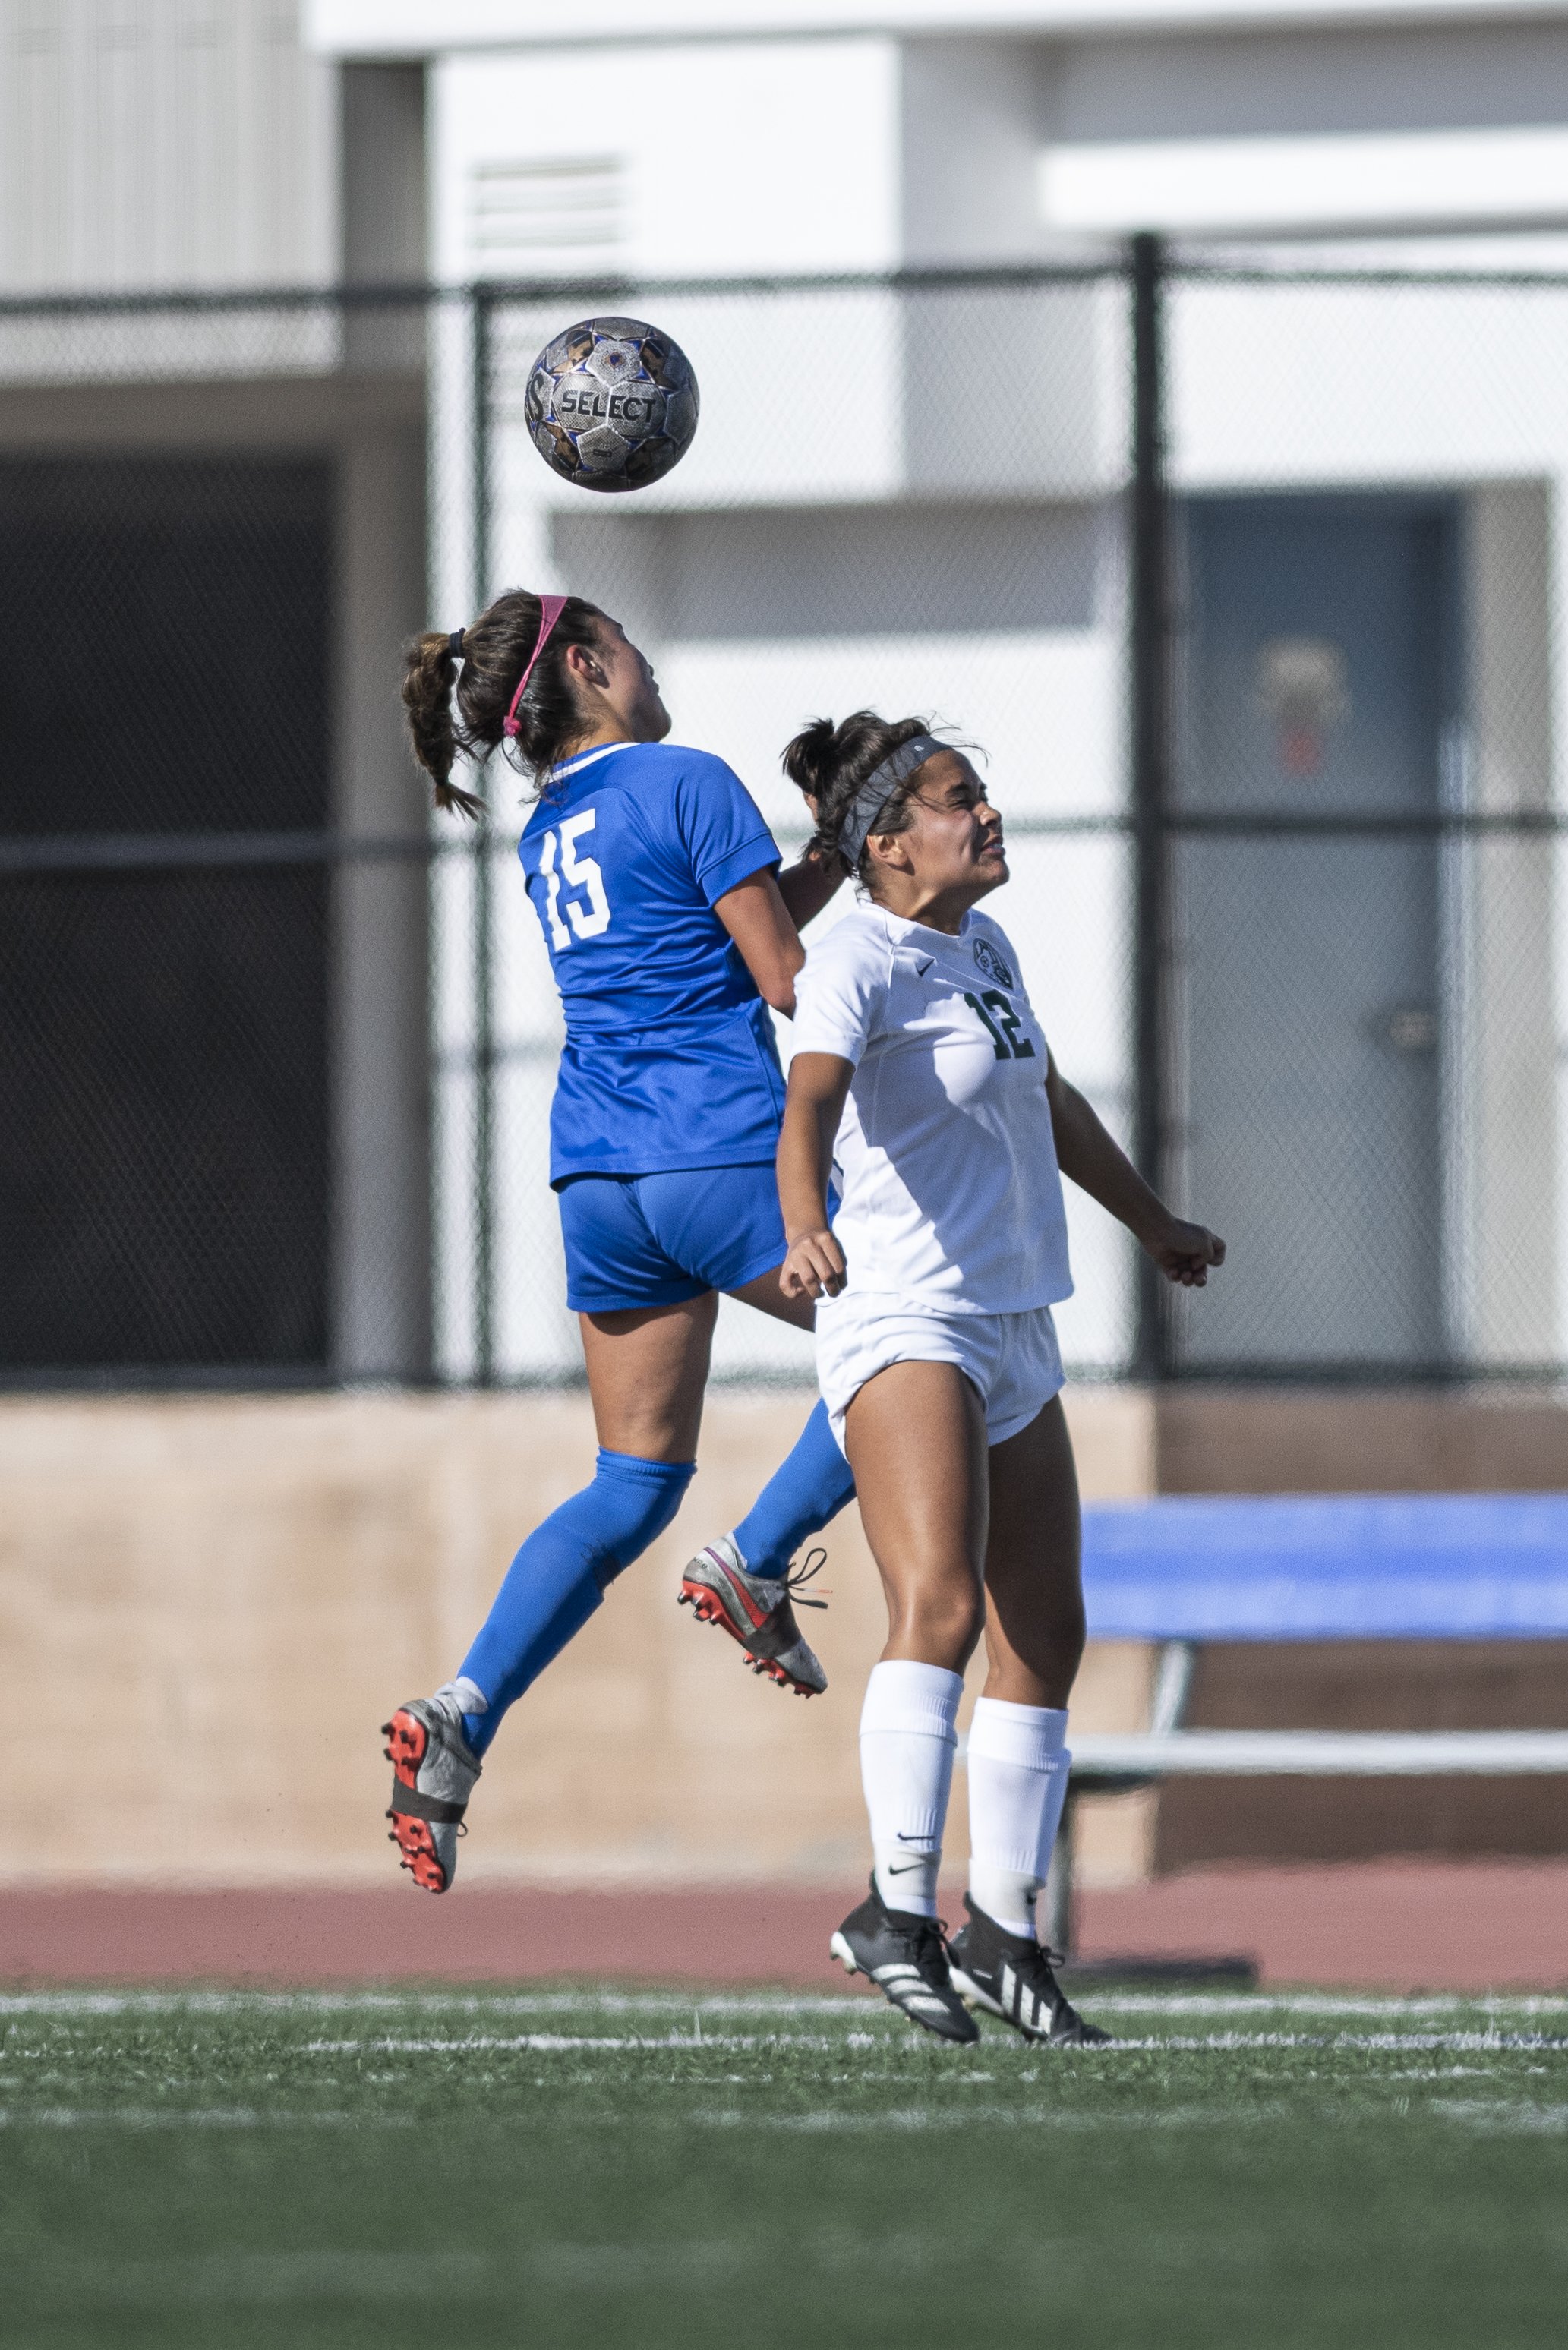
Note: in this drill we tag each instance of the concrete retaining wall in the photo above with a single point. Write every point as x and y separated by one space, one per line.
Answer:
207 1606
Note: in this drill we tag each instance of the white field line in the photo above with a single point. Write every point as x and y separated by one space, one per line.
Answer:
220 2118
433 2275
439 2002
1490 2118
928 2117
1488 2041
1491 2040
477 2042
273 2277
1259 2002
753 2005
923 2117
1421 2043
1494 2118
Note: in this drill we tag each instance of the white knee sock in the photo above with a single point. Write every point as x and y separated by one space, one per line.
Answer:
907 1746
1018 1766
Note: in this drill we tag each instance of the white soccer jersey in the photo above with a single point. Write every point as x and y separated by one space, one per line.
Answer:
946 1161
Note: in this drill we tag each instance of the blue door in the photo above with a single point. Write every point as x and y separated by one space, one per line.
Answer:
1307 1038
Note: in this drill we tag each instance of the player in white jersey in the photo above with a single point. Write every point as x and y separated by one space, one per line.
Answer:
923 1084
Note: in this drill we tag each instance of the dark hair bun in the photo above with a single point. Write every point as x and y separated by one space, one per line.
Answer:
810 760
831 763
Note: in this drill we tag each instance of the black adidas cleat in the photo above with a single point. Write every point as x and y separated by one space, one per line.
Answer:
1011 1977
906 1958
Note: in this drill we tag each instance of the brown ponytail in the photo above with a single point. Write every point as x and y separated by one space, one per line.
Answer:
832 762
496 649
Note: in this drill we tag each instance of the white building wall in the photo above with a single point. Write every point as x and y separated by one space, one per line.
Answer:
163 142
972 123
840 533
715 159
1305 130
853 429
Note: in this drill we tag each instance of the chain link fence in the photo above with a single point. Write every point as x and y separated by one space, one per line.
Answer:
1243 582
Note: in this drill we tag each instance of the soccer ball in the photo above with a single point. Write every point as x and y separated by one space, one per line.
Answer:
612 404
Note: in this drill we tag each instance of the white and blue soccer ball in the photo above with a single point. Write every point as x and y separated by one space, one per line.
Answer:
612 404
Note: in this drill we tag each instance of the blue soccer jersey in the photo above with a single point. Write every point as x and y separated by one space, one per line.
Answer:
670 1059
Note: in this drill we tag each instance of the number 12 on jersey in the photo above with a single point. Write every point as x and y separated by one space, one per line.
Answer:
577 873
1003 1030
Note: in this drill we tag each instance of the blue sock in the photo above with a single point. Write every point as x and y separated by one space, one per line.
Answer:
799 1497
561 1574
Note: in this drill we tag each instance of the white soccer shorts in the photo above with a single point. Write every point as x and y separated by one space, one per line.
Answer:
1011 1360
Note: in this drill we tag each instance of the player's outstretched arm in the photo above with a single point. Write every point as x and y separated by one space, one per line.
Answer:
818 1087
1098 1164
806 887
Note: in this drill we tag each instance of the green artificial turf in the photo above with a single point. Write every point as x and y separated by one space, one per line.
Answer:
571 2167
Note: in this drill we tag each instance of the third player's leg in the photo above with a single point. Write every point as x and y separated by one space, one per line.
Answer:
915 1435
1034 1611
740 1580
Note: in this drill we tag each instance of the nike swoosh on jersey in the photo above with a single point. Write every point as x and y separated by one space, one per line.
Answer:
921 968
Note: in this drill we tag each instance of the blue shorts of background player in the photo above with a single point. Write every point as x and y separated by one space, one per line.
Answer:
656 1239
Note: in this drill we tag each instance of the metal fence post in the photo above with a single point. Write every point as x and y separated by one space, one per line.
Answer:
484 1009
1151 715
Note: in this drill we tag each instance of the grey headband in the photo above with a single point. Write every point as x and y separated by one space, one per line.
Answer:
876 791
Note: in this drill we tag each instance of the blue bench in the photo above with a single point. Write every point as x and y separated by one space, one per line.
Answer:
1182 1570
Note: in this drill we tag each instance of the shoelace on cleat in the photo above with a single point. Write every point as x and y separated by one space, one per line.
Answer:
1044 1961
810 1567
931 1959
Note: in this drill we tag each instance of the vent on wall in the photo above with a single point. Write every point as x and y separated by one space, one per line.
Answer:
556 213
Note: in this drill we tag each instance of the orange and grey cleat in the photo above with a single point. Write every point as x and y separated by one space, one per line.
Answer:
433 1771
757 1610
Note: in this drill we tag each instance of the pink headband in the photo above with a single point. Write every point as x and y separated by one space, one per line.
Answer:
550 610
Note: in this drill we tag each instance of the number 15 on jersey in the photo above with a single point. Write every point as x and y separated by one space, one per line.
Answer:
579 873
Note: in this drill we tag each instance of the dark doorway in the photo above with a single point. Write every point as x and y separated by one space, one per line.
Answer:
1320 678
163 1152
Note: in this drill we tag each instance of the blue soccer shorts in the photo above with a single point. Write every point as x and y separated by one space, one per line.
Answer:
654 1240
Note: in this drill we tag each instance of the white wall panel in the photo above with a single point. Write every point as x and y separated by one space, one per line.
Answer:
732 157
1044 709
1347 385
403 27
163 143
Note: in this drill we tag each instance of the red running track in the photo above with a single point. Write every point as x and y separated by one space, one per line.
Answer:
1390 1925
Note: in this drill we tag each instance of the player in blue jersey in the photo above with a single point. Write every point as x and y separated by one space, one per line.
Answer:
671 930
